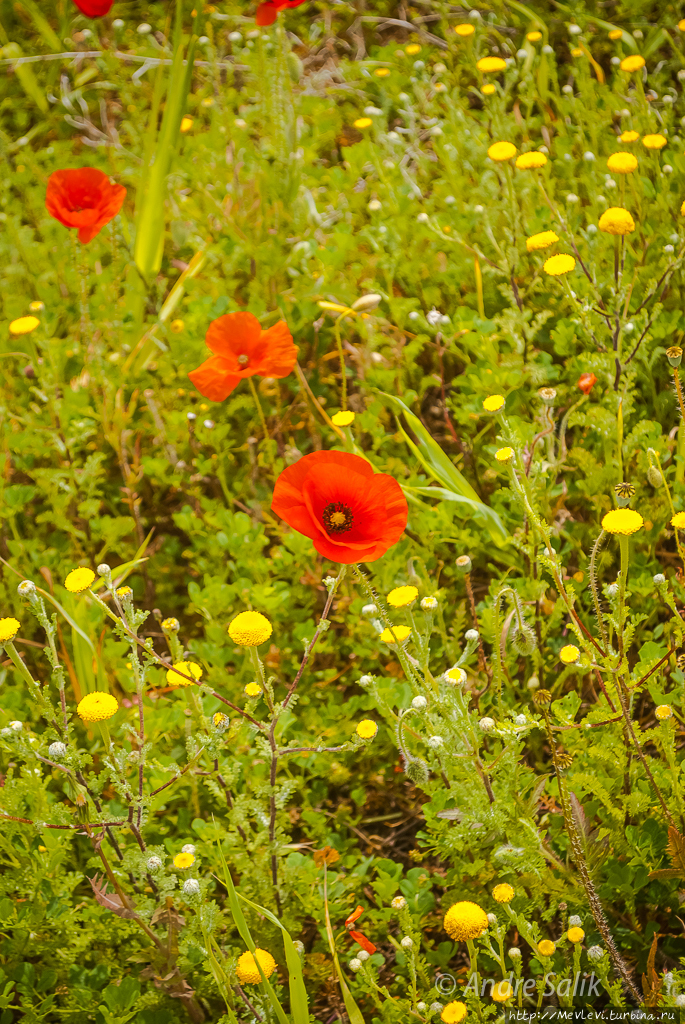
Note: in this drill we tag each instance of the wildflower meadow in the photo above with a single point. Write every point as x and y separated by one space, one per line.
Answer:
342 511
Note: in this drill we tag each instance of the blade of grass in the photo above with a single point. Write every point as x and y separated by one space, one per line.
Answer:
353 1011
298 993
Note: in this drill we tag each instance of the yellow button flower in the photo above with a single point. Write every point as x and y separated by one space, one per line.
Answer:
382 72
682 209
502 991
253 689
546 947
629 136
494 403
412 49
503 893
501 151
681 25
79 580
491 64
616 221
398 634
250 629
543 240
654 141
616 33
36 306
569 654
219 719
342 419
533 37
184 860
504 454
454 1013
363 122
576 52
367 729
663 712
401 596
488 89
186 124
622 163
247 970
8 629
464 30
97 707
562 263
528 161
176 326
189 670
465 920
575 935
623 521
24 325
632 63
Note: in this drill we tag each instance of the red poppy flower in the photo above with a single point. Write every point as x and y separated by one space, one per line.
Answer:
351 513
84 199
586 382
94 8
267 12
242 349
357 936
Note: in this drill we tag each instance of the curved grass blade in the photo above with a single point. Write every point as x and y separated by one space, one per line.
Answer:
298 993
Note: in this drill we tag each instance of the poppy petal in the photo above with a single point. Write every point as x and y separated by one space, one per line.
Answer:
232 335
214 380
280 352
94 8
83 198
354 916
365 943
266 14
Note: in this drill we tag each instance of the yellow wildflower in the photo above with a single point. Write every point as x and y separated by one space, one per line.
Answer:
501 151
8 630
488 90
367 729
454 1012
412 49
401 596
575 935
678 520
36 306
342 418
502 991
632 63
189 670
491 64
528 161
382 72
253 689
494 403
79 580
543 240
250 629
186 123
616 33
533 37
247 970
464 30
681 25
576 52
629 136
546 947
363 122
569 654
616 221
503 893
398 634
623 521
622 163
654 141
562 263
24 325
504 454
184 860
176 326
465 920
663 712
97 707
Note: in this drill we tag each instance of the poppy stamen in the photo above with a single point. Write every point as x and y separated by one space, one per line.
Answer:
243 360
337 518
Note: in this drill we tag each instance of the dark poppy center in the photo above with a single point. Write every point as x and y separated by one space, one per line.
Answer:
337 518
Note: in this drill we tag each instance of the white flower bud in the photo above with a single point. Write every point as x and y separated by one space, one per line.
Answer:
17 726
144 28
154 864
568 89
522 54
419 703
487 724
521 720
374 205
574 30
571 197
27 588
668 249
407 942
367 302
369 609
365 680
680 1000
398 903
188 848
492 920
547 49
592 229
422 218
435 742
363 955
421 1007
575 921
435 1008
57 750
429 604
471 635
235 37
588 157
117 24
595 953
514 952
355 964
191 887
659 579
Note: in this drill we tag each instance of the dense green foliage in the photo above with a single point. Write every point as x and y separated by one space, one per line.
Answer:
274 203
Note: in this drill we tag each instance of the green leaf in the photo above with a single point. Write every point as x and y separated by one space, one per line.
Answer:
353 1011
298 993
438 465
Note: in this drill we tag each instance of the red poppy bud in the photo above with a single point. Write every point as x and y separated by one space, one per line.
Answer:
586 382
